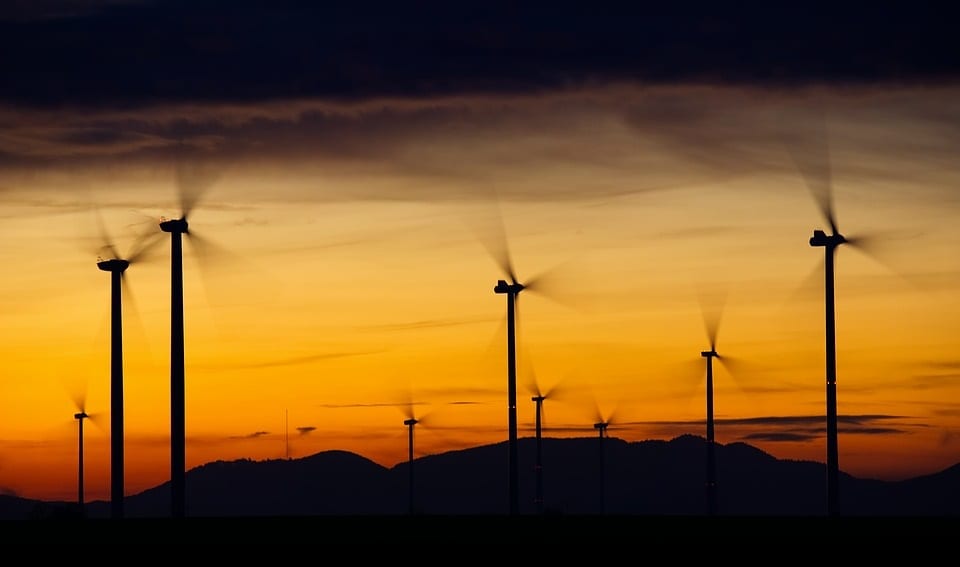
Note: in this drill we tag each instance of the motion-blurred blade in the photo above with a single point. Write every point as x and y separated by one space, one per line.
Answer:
490 229
598 415
527 374
556 284
712 303
99 419
79 397
145 243
882 248
194 178
106 243
212 259
407 405
808 146
131 313
810 287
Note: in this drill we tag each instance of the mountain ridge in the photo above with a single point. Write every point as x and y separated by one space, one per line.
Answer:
640 478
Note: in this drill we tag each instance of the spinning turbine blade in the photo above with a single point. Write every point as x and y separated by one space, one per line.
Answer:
193 179
810 153
712 304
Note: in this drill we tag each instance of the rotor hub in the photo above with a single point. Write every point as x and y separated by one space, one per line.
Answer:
820 238
113 265
175 225
504 287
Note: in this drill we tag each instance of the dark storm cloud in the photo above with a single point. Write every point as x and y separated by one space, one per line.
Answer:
118 53
32 10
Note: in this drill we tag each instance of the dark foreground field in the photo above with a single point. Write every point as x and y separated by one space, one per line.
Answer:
624 531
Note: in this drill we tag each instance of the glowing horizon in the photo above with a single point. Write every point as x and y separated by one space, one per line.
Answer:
351 274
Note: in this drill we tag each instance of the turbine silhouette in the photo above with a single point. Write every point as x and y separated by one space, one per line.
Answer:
812 158
80 403
601 426
410 421
117 267
413 419
512 291
711 319
192 182
539 396
80 416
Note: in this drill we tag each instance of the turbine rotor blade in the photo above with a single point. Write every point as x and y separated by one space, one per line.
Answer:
99 419
131 311
80 399
809 149
490 230
145 244
193 180
554 284
106 244
712 304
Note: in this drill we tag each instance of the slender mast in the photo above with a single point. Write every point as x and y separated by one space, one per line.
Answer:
711 447
512 403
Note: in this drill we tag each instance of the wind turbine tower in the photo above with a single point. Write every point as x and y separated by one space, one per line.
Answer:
538 466
80 416
601 427
410 423
512 290
116 267
830 244
177 228
711 448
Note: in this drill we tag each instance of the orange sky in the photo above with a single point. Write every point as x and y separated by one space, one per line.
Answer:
351 274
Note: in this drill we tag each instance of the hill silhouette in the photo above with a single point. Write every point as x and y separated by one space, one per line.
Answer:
642 478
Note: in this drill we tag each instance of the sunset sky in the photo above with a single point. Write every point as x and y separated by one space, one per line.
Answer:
365 166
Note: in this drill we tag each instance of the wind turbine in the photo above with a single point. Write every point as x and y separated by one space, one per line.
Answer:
80 416
540 395
538 465
512 291
813 162
711 320
498 248
191 184
410 422
80 403
601 426
117 267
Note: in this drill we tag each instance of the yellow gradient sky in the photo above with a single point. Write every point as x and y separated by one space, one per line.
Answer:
348 272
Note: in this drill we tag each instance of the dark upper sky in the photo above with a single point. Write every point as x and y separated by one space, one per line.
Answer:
134 52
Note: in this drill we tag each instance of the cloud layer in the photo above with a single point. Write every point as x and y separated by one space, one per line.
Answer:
113 53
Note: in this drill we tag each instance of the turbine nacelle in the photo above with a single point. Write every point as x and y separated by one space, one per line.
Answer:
410 421
538 399
504 287
81 415
175 225
601 426
113 265
712 353
821 238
